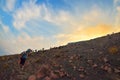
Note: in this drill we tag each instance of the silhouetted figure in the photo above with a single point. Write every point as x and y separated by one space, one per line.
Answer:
23 59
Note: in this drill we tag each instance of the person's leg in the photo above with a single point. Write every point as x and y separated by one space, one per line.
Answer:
23 62
20 65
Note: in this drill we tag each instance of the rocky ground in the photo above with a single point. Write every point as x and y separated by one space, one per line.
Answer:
96 59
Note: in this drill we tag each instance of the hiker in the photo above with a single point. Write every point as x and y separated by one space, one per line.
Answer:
23 59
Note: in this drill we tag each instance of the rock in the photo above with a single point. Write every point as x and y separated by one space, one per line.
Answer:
105 59
32 77
60 66
47 78
82 76
62 69
73 78
53 75
61 73
71 57
70 61
90 61
107 68
91 49
81 69
44 70
55 65
100 52
40 75
74 67
116 70
94 65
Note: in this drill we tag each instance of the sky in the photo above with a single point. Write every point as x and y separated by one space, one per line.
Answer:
38 24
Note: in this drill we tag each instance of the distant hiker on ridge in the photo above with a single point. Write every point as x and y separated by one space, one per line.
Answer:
23 59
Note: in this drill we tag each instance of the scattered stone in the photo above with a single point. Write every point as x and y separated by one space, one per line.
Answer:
100 52
40 75
71 57
61 74
90 61
32 77
73 78
67 74
116 70
47 78
61 66
82 76
43 71
94 65
70 61
53 75
81 69
62 69
74 67
91 49
107 68
105 59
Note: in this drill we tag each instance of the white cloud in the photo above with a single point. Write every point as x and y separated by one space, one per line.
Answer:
26 13
74 28
6 28
30 12
15 45
117 13
93 20
93 15
117 22
28 42
116 1
6 38
85 34
9 6
97 15
62 18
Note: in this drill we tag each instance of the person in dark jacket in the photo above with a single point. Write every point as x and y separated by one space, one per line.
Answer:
23 59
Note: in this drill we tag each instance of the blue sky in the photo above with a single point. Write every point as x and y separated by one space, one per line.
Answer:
38 24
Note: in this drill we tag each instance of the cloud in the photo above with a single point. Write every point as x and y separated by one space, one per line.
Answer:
85 33
94 14
118 16
9 5
25 13
60 26
30 11
4 27
6 39
11 44
117 12
28 42
15 45
66 21
6 47
116 1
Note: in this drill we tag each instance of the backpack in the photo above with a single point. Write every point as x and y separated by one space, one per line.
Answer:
24 56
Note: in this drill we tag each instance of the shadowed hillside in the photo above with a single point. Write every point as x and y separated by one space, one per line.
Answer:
96 59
